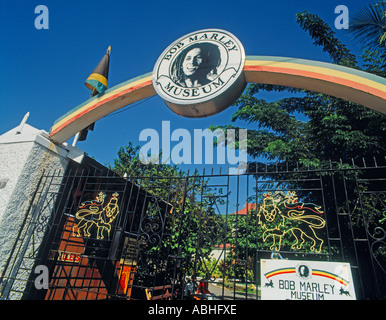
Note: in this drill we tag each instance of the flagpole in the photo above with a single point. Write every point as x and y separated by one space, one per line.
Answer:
76 137
22 123
97 78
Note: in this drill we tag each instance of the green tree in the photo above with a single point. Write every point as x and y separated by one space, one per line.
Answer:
313 127
189 228
310 128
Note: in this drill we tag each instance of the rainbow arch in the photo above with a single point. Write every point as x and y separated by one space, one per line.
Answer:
342 82
315 272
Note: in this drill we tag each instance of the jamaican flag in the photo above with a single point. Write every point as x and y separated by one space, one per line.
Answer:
97 81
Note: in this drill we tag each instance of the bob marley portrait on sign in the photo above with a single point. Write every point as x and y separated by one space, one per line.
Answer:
201 73
196 65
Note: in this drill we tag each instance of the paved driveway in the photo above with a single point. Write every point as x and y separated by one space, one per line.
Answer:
229 294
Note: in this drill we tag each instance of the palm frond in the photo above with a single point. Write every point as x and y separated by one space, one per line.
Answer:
368 26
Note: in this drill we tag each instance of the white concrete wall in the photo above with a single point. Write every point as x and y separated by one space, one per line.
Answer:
23 158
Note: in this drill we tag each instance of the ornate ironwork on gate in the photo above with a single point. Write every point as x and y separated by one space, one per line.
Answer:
198 236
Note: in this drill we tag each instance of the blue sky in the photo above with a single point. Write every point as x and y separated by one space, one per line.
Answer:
43 71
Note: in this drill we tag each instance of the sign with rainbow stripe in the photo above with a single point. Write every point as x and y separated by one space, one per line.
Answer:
306 280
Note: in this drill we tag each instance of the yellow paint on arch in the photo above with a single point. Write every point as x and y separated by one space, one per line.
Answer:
338 81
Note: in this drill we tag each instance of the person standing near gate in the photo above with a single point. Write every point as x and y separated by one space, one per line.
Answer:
189 289
203 290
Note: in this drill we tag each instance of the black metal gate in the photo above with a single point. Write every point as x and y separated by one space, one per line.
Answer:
198 236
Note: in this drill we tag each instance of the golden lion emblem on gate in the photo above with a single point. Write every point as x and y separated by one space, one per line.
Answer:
280 217
94 214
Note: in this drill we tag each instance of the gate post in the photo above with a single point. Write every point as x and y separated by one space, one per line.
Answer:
25 153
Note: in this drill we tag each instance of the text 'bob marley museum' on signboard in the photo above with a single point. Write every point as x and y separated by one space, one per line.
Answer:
201 73
306 280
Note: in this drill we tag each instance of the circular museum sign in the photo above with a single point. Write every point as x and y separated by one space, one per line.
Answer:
201 73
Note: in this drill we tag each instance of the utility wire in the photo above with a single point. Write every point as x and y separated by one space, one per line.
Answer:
128 107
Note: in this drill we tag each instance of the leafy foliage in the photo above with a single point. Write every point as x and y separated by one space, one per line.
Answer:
188 228
368 25
323 36
309 128
311 125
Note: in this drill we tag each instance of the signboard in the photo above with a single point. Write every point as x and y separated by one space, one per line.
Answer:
306 280
201 73
128 264
68 256
65 256
130 251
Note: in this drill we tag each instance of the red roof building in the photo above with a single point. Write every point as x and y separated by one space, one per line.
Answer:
247 208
